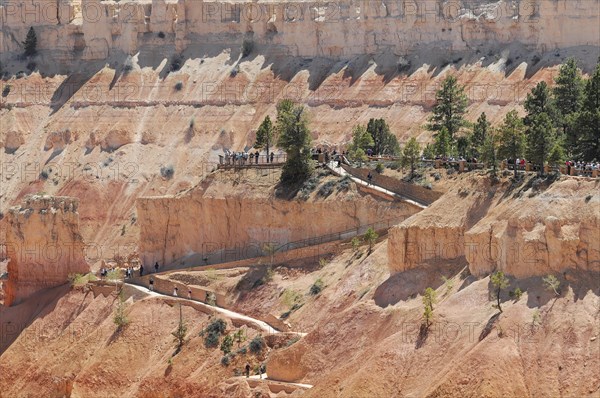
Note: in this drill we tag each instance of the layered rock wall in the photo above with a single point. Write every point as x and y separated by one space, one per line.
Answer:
93 29
194 226
521 232
43 245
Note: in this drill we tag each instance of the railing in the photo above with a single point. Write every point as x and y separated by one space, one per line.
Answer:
410 191
263 160
459 165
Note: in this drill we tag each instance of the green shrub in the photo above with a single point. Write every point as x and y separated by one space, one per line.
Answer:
6 90
317 287
227 344
516 294
119 317
552 283
326 189
379 168
179 86
355 242
167 172
211 340
225 360
343 184
257 344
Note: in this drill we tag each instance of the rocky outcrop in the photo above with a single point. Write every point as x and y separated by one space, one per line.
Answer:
549 233
523 230
43 245
231 227
94 29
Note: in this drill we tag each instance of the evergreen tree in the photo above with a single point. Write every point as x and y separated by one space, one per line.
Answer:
450 107
511 142
442 142
30 43
384 142
489 150
480 132
541 138
538 101
361 140
265 136
588 120
410 155
568 93
294 139
499 281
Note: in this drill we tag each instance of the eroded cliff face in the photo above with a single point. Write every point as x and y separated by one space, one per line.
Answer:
229 223
94 29
43 244
519 229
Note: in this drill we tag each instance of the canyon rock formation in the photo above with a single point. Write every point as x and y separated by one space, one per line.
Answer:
43 244
227 223
519 230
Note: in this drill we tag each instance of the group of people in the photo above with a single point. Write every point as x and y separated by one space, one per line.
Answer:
582 167
128 271
242 158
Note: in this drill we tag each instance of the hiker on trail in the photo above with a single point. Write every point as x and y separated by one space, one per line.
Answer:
151 285
175 291
272 156
141 269
189 293
256 155
156 267
370 177
262 369
251 157
247 370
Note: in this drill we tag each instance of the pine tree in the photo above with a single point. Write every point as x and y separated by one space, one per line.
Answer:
540 122
294 139
370 238
429 299
588 120
499 281
480 132
384 142
265 136
568 93
361 140
450 107
541 138
442 142
30 43
489 151
410 155
511 142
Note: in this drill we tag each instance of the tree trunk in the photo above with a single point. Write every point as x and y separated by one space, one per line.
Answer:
498 299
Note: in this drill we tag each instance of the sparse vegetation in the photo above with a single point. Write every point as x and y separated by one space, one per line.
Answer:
77 280
257 344
552 283
115 274
179 86
379 168
499 281
225 360
448 283
290 297
317 287
343 184
535 318
239 336
227 344
167 172
370 237
326 189
429 299
213 332
516 294
355 242
180 333
119 317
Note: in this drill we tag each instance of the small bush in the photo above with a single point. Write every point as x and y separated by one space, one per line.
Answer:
44 175
516 294
257 344
225 360
179 86
343 184
211 340
242 351
326 189
227 344
161 35
119 318
218 326
167 172
552 283
355 242
379 168
317 287
247 47
588 198
6 90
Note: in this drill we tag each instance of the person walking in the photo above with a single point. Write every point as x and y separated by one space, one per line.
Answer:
272 156
151 284
156 267
256 155
141 269
175 291
189 293
247 370
370 177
